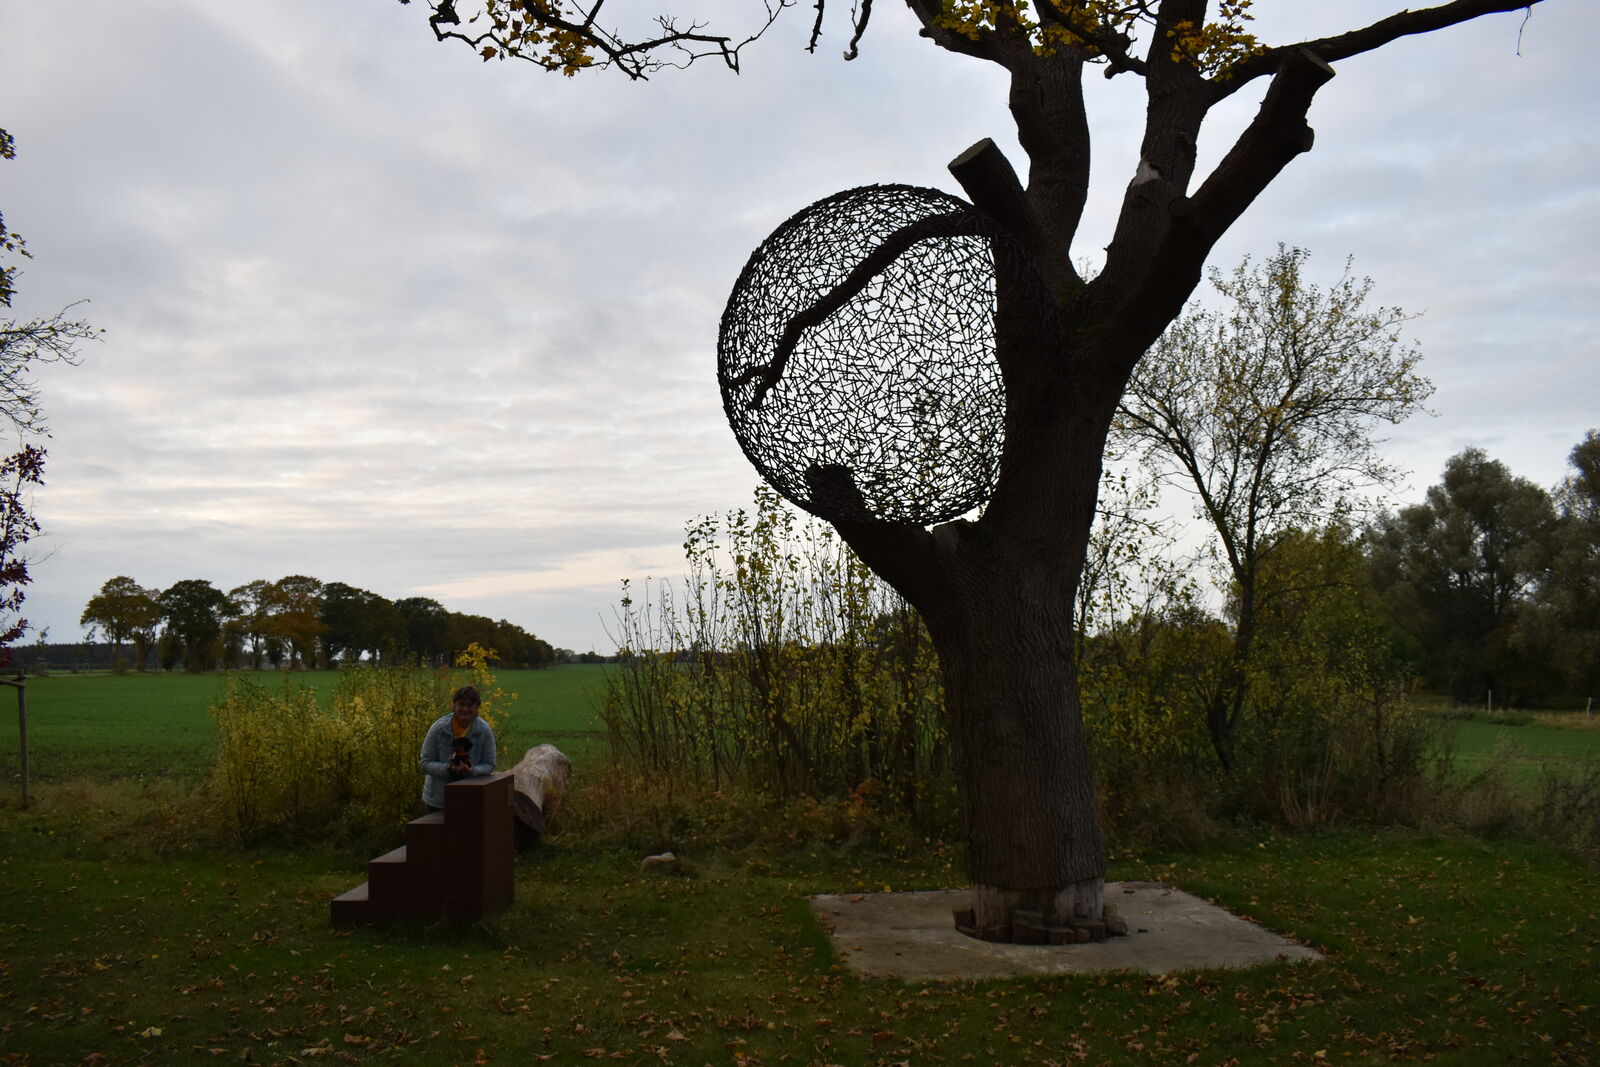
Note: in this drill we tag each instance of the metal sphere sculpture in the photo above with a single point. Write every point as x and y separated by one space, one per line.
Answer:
857 357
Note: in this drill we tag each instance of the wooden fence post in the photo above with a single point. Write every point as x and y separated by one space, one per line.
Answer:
20 684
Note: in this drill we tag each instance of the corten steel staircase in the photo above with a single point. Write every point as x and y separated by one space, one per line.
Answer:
455 864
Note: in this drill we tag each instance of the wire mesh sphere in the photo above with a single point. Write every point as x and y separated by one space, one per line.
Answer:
898 385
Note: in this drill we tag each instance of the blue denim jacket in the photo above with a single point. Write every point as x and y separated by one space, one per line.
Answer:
436 753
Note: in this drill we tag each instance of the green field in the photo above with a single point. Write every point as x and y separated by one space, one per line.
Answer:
132 725
1529 751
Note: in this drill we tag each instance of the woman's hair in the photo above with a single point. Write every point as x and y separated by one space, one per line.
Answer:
467 693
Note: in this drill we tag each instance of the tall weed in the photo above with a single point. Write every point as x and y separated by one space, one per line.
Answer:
780 666
1567 811
288 768
784 668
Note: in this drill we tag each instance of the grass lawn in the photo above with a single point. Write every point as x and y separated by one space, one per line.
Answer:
124 940
119 951
131 725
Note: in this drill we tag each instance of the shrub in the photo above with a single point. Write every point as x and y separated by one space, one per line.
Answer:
1321 732
1567 811
287 766
1330 734
384 714
1142 684
278 758
786 670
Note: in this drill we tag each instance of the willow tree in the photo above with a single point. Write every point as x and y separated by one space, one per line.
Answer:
997 592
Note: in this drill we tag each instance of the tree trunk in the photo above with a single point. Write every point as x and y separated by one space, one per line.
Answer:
1226 706
540 782
997 596
1032 826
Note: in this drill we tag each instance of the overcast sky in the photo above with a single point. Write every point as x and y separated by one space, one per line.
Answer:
380 313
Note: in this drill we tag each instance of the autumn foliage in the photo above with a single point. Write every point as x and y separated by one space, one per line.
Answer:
291 767
780 666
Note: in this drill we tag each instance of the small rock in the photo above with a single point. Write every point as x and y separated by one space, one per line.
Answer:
667 863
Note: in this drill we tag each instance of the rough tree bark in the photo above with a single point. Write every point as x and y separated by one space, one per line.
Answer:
540 779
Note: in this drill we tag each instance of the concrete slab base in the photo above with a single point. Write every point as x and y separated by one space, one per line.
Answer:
912 936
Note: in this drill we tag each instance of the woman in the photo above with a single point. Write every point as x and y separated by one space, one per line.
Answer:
458 745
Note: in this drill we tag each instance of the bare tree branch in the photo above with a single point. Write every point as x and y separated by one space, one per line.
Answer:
1276 135
1354 43
554 37
49 340
991 183
1173 267
865 15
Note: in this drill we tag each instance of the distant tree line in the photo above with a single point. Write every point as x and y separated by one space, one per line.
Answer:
297 622
1487 593
1494 582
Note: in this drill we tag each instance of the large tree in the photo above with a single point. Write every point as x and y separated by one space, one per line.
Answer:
255 604
426 624
1264 410
194 610
1568 595
997 592
1456 570
122 610
357 621
297 616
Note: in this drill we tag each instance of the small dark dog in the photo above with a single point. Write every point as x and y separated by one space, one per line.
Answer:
461 761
